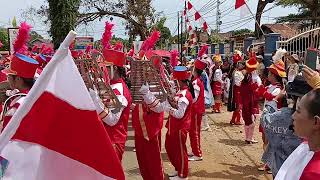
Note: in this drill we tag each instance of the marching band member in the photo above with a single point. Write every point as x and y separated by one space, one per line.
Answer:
235 98
179 124
217 84
20 75
276 74
147 121
198 107
116 123
304 162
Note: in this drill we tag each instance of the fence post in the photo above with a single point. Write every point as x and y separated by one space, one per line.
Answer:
214 46
231 47
221 48
246 43
270 46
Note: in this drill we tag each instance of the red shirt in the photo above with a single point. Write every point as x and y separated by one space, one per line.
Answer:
175 124
312 170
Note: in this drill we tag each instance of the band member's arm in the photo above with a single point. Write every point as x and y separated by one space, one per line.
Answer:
263 92
196 91
106 114
182 107
150 99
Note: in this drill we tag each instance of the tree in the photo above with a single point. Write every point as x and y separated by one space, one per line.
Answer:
14 22
242 31
165 31
63 17
308 11
139 14
261 6
4 39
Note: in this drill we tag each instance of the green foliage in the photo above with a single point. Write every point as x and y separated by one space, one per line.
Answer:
242 31
165 32
4 39
63 17
214 38
14 22
308 11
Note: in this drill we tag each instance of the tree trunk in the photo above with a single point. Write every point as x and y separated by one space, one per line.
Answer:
63 17
260 8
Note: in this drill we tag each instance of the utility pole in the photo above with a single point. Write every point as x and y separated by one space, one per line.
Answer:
186 25
218 17
178 32
181 39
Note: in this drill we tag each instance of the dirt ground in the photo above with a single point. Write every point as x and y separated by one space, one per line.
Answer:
225 154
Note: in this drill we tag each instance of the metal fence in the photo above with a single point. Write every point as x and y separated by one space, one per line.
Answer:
307 38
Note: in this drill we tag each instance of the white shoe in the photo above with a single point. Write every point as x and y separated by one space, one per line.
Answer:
190 154
195 158
174 174
177 178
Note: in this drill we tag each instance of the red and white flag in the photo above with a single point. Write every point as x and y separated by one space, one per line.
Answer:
239 3
56 133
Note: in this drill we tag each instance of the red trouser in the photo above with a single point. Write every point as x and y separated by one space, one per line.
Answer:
177 151
119 149
194 134
149 157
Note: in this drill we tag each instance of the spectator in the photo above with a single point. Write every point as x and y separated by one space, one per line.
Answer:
282 141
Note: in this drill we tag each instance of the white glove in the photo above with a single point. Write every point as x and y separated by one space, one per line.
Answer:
256 79
12 92
97 101
144 89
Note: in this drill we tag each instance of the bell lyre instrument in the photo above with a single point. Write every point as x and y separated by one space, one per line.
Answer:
93 77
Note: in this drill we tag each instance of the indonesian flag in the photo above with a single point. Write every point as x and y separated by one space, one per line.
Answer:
56 133
239 3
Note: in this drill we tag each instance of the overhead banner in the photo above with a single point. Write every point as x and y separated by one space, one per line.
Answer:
81 43
12 36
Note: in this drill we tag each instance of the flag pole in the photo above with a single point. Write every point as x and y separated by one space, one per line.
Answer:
254 17
32 96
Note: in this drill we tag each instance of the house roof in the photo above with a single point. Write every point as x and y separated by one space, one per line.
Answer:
286 30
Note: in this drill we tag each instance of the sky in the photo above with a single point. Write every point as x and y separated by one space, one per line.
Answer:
231 19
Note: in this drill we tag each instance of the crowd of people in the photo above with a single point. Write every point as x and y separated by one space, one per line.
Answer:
286 94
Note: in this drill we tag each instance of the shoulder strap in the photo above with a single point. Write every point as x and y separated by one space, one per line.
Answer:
7 102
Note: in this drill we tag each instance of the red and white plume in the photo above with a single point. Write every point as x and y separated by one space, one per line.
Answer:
107 36
151 41
174 58
203 51
88 49
20 45
118 46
